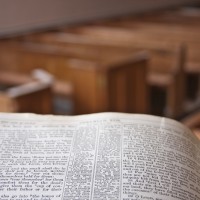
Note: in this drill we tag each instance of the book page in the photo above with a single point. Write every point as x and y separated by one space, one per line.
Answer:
100 156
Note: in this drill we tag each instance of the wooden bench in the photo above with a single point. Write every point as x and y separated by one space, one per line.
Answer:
63 92
167 60
174 26
192 121
171 25
184 33
60 62
22 94
118 86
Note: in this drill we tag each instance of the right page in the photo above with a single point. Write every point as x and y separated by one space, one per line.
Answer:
160 160
145 157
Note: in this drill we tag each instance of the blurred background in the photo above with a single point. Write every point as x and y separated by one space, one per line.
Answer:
78 57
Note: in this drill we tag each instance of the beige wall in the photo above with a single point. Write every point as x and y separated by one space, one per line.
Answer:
22 15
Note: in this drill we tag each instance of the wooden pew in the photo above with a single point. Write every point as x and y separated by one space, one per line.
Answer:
192 121
165 32
113 39
177 24
126 38
119 87
167 60
22 94
161 32
54 58
63 92
63 59
173 26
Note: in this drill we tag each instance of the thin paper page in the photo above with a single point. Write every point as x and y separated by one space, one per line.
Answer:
99 156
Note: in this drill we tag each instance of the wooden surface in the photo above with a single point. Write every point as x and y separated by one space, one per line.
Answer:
83 72
171 37
119 87
192 121
24 94
167 59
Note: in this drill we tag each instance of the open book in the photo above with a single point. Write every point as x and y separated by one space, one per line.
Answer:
108 156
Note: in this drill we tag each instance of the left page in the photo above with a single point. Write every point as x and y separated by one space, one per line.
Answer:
34 152
47 157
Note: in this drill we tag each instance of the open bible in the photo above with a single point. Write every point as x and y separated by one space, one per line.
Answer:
108 156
